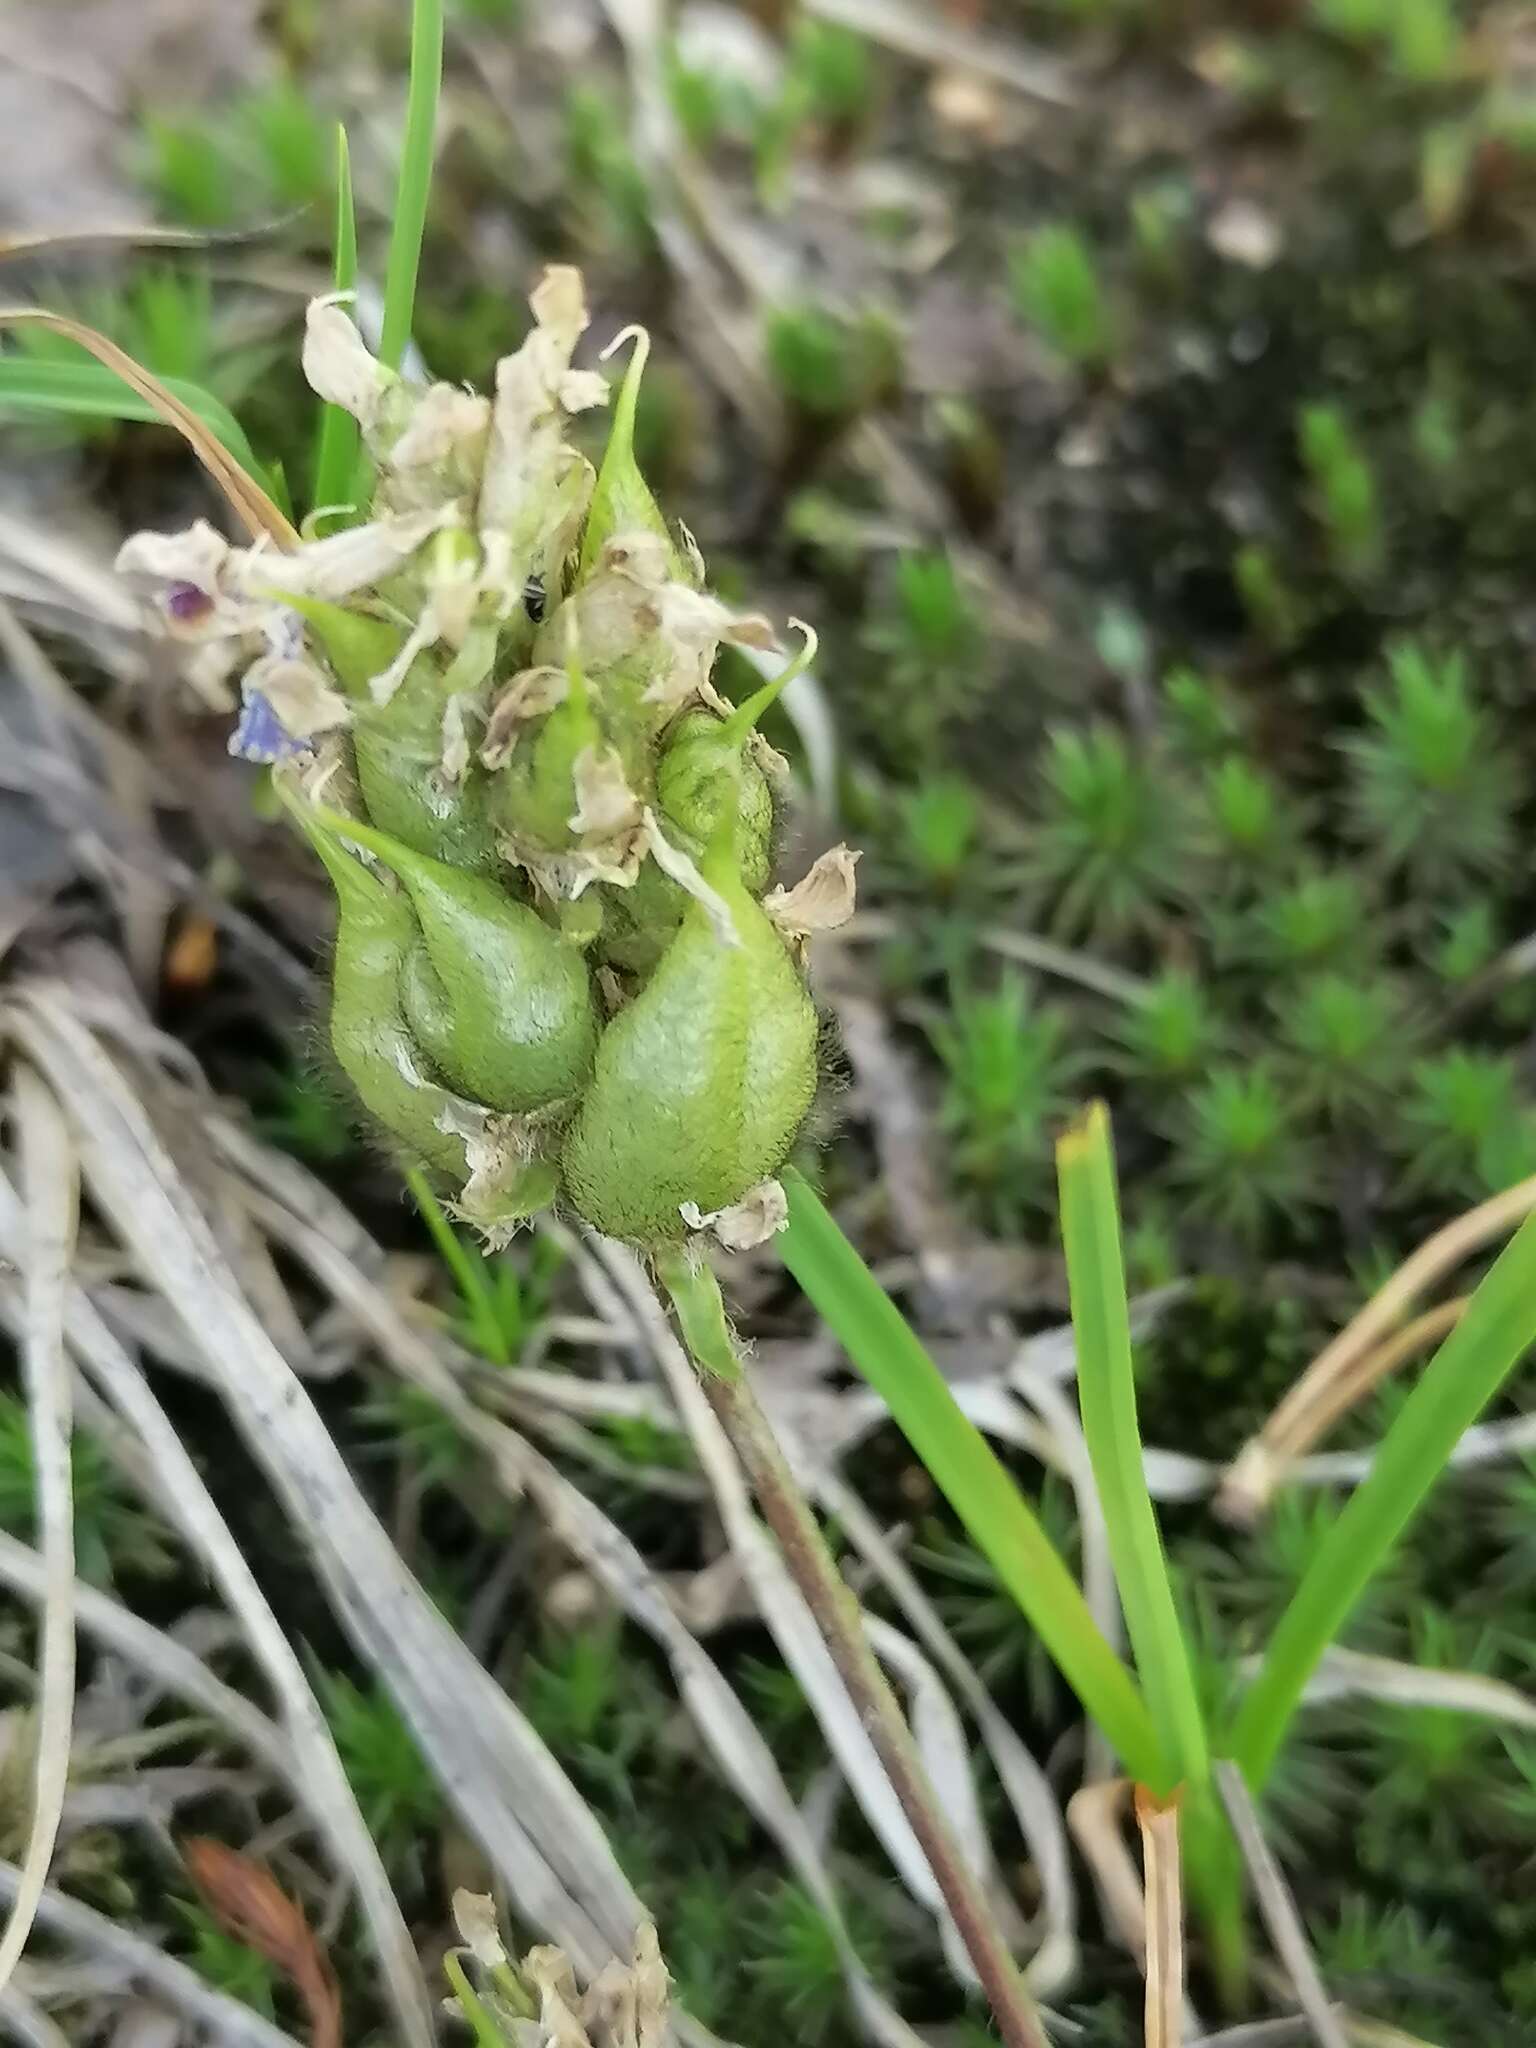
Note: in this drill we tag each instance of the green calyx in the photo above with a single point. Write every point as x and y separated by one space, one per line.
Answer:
357 645
702 776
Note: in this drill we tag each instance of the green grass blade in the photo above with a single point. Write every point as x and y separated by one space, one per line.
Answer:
35 387
415 184
336 454
878 1339
1090 1230
467 1268
476 2013
1465 1373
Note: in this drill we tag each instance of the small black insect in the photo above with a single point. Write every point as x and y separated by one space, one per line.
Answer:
533 599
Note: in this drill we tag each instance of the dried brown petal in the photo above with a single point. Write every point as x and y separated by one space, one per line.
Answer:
530 694
822 901
761 1213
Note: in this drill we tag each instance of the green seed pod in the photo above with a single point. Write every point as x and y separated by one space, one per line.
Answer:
698 776
499 1001
706 769
639 923
399 752
701 1082
535 795
369 1035
398 746
700 773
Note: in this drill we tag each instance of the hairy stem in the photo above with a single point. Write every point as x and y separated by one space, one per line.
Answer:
707 1333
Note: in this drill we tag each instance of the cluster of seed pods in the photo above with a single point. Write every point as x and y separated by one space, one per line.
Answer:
559 973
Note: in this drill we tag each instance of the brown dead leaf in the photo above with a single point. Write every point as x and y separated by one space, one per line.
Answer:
248 1903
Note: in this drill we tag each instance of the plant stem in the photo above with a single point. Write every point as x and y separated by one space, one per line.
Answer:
707 1334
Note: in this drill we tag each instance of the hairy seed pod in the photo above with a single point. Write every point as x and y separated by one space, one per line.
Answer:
369 1035
699 776
398 746
500 1002
701 1083
701 771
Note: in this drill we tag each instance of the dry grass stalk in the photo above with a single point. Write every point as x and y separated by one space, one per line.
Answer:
819 1628
1278 1909
842 1628
50 1181
1366 1371
1094 1816
221 2018
181 1494
1029 1791
160 1657
1158 1822
1250 1481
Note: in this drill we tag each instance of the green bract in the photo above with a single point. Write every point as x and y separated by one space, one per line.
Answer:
489 706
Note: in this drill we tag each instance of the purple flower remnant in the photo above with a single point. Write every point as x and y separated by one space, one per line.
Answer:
187 603
261 735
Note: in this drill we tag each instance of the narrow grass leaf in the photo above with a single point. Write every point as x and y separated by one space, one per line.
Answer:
1090 1229
336 455
886 1351
1468 1369
239 481
415 183
467 1268
32 387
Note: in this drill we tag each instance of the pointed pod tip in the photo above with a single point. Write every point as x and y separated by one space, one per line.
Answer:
621 498
641 337
749 712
